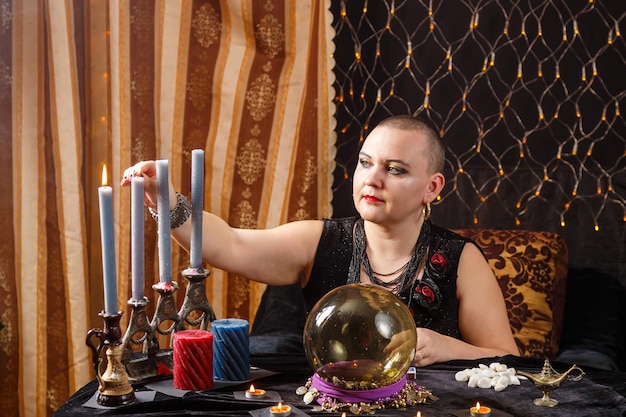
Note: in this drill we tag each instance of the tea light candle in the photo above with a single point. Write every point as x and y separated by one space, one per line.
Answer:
480 411
255 392
280 410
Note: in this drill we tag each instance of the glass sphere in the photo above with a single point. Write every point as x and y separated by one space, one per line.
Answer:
360 336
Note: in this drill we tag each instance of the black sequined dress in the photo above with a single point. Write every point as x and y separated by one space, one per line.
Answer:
432 299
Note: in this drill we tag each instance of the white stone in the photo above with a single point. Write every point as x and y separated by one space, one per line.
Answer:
473 381
484 382
462 376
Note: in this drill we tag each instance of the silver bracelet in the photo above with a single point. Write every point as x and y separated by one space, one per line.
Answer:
178 215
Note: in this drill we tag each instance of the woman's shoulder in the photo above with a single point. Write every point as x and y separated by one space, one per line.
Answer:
443 234
341 226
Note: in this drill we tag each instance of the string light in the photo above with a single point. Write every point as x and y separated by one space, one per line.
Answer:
474 21
409 52
527 54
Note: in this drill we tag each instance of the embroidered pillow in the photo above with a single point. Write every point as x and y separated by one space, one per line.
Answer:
531 268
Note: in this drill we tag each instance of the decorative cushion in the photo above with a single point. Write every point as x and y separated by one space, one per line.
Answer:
531 268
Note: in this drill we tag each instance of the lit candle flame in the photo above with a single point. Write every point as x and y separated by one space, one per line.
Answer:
251 388
477 406
104 175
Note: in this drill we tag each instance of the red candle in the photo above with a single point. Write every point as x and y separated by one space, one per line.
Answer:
193 359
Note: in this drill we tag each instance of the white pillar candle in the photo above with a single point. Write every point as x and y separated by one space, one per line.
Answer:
197 207
163 208
137 238
107 236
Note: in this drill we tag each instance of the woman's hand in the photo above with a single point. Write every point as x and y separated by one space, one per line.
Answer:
429 347
147 170
399 342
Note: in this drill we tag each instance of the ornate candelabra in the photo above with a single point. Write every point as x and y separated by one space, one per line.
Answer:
154 361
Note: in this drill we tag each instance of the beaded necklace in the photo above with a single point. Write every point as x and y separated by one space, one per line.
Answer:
361 260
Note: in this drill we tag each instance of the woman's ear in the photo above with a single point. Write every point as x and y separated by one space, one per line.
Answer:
437 181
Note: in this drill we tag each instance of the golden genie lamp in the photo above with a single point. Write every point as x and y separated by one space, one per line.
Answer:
548 380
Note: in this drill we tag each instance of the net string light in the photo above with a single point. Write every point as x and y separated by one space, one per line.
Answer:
526 95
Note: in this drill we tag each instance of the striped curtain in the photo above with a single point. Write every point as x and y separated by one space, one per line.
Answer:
113 82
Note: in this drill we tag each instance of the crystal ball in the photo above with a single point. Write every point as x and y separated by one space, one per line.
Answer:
360 336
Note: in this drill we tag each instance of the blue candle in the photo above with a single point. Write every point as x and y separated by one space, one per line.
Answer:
231 349
137 237
163 207
197 207
107 236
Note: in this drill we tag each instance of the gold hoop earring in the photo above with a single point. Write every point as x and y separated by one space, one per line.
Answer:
426 211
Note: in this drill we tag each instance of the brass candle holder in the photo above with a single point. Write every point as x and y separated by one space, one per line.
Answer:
195 299
140 365
114 388
166 308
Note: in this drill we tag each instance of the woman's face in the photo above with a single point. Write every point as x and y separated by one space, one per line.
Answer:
392 180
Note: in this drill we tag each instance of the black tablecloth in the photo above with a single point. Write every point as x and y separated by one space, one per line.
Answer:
599 393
